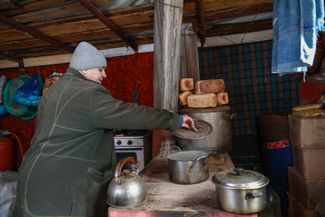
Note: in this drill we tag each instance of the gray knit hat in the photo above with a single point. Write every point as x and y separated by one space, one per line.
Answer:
86 56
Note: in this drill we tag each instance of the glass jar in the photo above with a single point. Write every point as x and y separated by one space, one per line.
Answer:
273 206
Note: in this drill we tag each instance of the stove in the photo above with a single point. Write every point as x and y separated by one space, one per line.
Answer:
134 143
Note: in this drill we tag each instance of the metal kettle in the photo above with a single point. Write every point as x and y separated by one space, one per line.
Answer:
127 189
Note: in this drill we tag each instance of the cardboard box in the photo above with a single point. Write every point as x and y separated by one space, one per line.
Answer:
309 162
298 210
317 194
307 132
298 188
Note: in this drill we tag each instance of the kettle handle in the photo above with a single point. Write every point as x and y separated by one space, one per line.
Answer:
122 162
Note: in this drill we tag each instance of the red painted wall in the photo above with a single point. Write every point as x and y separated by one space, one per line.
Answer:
122 74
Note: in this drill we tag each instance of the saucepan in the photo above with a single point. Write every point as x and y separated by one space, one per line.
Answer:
241 191
188 167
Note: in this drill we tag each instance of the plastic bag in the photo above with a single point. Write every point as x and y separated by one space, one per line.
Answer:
8 191
3 110
29 94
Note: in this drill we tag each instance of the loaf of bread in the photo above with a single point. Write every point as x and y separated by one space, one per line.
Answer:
210 86
222 98
182 98
186 84
202 100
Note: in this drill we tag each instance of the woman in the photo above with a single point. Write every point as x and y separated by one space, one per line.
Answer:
69 164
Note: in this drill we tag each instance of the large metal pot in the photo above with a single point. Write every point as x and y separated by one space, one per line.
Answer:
188 167
219 140
193 137
241 191
127 189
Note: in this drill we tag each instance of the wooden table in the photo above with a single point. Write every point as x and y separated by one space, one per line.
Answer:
168 199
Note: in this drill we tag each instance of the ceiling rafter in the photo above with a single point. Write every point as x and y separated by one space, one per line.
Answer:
4 55
201 21
237 28
35 33
8 4
98 14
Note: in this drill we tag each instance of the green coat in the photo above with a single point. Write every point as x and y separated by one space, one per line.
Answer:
69 164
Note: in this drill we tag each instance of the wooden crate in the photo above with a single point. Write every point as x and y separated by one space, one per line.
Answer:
317 194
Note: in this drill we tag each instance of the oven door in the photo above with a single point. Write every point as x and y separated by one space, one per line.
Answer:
137 153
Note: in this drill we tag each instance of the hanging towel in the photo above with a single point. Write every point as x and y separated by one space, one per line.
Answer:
296 24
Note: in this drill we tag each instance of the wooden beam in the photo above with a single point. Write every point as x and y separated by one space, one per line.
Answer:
241 38
12 58
35 33
235 28
189 57
200 21
168 21
101 3
97 13
32 6
8 4
215 10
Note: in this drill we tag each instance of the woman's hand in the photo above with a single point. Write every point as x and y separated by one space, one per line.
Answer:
188 122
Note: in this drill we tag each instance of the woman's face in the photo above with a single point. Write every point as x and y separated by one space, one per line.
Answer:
96 75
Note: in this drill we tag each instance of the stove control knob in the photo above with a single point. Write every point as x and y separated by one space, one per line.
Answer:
129 142
119 142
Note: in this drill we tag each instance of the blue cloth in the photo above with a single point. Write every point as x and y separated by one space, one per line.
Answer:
296 24
181 121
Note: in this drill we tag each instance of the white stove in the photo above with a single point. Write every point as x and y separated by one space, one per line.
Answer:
136 144
128 141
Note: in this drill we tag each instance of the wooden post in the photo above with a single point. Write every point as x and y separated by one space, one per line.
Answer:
189 53
168 20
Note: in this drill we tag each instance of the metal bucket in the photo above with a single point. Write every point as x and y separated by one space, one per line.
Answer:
219 140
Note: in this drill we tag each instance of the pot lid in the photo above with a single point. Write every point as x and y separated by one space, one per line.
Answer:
240 179
203 129
187 155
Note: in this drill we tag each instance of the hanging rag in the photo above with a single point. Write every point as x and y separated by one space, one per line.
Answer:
296 24
50 80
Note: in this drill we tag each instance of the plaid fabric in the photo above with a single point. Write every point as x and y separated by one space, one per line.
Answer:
252 89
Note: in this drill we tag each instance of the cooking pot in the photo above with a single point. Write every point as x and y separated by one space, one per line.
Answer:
188 167
127 189
241 191
189 139
219 140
